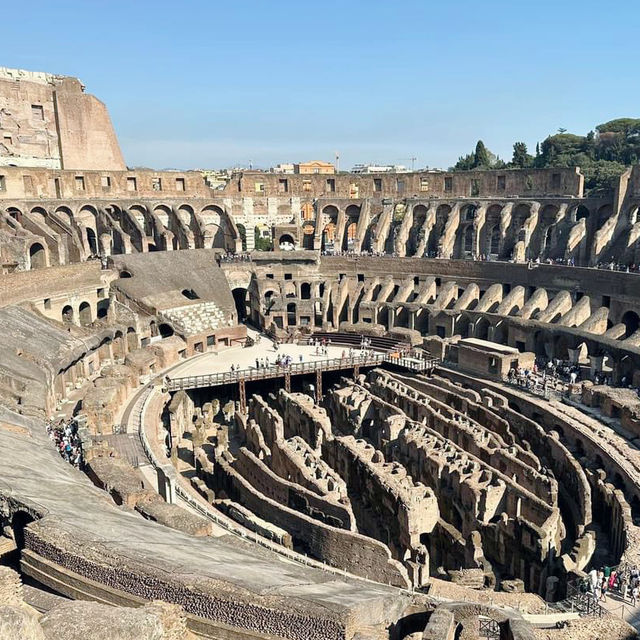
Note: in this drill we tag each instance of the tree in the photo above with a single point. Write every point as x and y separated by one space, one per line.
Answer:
481 156
465 163
520 156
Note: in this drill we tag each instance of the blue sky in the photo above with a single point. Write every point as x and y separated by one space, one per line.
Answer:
210 84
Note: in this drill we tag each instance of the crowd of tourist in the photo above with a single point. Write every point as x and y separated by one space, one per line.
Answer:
625 583
618 266
232 256
353 252
64 435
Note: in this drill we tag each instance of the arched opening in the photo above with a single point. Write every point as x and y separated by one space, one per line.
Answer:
37 256
328 237
125 274
349 236
190 294
286 243
84 314
67 314
582 212
468 239
291 314
631 321
91 240
103 308
494 248
19 522
240 300
330 218
482 329
166 330
305 291
132 339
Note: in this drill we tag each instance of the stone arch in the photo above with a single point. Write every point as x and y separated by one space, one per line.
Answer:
482 329
631 321
41 212
132 339
38 258
217 227
349 236
419 219
102 309
163 213
68 315
85 315
186 214
468 212
286 242
165 330
604 213
305 291
581 212
241 301
141 215
19 521
65 213
15 213
442 215
463 326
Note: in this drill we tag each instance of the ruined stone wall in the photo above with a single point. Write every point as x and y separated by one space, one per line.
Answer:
356 553
229 608
352 187
58 186
294 496
48 121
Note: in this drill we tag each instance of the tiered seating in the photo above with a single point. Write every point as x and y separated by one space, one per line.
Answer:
196 318
378 343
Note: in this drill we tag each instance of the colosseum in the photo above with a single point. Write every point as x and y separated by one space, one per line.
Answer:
415 414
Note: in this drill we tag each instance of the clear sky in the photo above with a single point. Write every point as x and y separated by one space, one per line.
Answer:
202 83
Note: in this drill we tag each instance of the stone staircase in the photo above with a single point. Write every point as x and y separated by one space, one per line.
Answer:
198 318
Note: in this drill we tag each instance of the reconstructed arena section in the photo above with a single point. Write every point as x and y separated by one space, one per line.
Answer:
373 435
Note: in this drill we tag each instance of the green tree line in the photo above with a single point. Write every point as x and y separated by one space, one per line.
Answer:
602 155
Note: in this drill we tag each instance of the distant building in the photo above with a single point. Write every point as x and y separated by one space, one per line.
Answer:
286 167
315 166
216 179
379 168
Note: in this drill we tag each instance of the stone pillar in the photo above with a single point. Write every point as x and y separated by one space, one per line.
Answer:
596 363
574 355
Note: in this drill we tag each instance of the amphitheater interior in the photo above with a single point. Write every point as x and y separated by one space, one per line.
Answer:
417 414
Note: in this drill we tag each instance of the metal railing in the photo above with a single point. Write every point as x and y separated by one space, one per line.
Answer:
298 368
273 371
583 600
